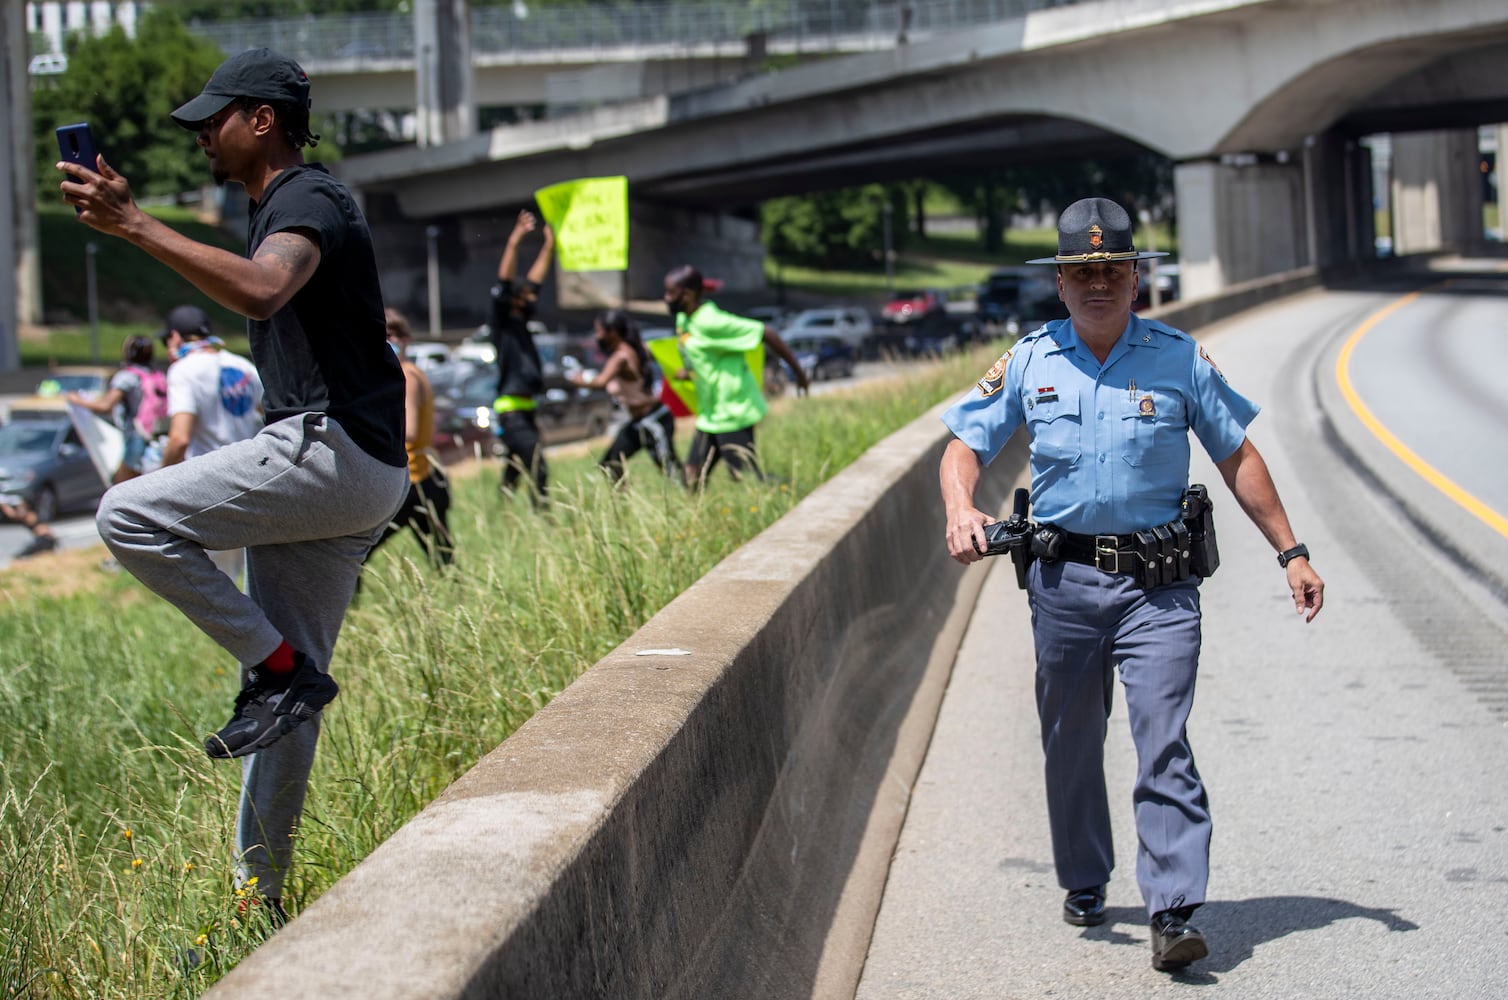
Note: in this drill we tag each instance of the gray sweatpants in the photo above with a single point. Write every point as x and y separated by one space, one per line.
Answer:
306 503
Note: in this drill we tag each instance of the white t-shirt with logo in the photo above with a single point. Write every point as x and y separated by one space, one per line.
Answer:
224 393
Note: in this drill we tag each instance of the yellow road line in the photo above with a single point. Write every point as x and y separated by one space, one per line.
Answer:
1429 473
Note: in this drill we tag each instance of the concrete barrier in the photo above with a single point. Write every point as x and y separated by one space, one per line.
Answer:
714 824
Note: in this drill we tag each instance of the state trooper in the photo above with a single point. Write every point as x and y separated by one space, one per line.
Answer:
1107 400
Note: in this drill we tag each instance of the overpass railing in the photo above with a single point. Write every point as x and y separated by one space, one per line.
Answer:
498 33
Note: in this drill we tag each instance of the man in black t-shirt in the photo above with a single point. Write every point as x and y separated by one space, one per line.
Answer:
308 494
520 376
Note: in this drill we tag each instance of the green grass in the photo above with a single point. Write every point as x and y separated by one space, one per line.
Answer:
134 292
114 826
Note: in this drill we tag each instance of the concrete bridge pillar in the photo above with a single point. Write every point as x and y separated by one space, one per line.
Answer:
1437 191
445 90
1239 218
1338 179
18 216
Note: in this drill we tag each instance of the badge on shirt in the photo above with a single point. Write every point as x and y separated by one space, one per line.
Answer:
994 379
1146 407
1045 394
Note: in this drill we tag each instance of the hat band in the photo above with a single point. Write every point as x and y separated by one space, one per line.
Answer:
1098 255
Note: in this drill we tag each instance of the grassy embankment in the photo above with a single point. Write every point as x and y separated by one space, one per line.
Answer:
114 827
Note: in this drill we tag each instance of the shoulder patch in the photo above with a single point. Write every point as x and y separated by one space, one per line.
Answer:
1210 361
994 379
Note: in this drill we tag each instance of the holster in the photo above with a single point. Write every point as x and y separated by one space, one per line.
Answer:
1199 518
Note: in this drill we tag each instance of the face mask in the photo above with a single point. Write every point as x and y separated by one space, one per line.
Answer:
603 345
673 306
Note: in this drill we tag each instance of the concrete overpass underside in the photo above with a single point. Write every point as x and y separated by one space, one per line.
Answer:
1258 102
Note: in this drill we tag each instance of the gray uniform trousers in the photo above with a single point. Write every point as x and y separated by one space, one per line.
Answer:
1086 624
306 503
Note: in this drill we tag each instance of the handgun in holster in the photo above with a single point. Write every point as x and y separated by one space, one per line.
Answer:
1199 518
1012 535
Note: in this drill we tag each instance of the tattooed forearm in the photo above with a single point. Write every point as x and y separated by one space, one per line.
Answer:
289 252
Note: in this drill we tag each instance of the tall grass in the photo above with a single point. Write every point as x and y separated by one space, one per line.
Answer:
115 869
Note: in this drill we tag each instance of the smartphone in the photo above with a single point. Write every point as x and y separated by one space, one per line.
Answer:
76 145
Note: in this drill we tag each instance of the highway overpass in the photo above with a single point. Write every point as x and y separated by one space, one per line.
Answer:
1260 103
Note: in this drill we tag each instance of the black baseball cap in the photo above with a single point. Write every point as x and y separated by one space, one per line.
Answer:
258 73
1095 230
191 321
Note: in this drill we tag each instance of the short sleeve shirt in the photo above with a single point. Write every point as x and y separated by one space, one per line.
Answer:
129 384
1109 443
713 342
519 372
326 350
222 391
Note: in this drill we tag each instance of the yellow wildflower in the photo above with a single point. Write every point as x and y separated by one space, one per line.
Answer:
135 862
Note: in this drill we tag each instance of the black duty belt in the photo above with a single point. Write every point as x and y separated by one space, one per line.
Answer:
1106 553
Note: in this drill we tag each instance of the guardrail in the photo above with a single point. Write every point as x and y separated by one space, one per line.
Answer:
498 32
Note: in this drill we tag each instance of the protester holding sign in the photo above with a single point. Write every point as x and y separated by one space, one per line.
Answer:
520 376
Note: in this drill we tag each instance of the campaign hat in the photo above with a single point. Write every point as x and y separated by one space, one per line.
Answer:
257 73
190 321
1092 231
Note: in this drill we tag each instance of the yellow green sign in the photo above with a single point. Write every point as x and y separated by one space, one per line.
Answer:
590 219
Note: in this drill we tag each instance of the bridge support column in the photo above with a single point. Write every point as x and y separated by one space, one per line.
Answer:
18 216
1338 179
1437 191
1238 221
445 90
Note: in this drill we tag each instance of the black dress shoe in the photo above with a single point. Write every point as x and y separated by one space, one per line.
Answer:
1174 943
1085 907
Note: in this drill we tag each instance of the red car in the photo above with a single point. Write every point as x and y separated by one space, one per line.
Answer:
913 305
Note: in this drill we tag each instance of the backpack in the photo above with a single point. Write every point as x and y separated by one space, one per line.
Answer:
153 410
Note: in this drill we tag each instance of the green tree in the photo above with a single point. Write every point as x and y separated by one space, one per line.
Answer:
125 89
831 227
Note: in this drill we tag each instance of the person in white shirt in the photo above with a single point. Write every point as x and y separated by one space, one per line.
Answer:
214 398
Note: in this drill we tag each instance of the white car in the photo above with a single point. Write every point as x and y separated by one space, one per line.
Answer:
478 348
849 324
428 355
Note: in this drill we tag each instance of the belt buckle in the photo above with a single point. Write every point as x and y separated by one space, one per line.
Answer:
1106 547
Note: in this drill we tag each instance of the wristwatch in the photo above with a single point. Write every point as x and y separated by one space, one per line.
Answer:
1288 555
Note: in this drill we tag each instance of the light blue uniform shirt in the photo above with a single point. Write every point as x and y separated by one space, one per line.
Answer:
1109 443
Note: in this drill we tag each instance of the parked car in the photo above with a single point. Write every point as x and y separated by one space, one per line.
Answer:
777 317
466 424
914 305
43 462
49 401
823 357
1024 296
849 324
478 347
428 355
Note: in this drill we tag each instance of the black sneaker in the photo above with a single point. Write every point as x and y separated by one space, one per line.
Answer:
270 706
38 545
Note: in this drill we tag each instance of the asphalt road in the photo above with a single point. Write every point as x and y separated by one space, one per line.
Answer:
1355 764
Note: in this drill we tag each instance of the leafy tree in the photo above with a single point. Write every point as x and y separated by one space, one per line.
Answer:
833 227
125 89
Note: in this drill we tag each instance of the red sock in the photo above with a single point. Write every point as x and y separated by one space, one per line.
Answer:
280 660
